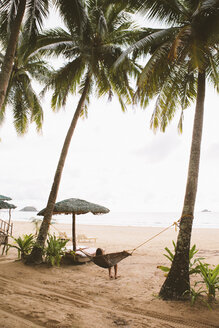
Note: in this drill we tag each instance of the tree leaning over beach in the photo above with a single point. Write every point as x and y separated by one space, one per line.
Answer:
183 57
97 33
12 14
20 95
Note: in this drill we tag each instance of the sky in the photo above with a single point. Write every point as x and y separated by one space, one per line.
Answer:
115 159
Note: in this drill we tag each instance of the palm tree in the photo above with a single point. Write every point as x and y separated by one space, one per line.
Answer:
20 95
183 57
94 41
12 14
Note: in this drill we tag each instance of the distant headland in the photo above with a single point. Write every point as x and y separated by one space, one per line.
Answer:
205 210
28 209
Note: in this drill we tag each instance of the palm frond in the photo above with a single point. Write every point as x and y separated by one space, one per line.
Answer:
20 113
156 69
179 89
152 39
52 42
65 80
20 94
102 25
213 70
37 112
172 11
11 7
36 11
3 29
73 13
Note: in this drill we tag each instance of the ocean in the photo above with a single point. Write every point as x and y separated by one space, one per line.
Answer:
208 220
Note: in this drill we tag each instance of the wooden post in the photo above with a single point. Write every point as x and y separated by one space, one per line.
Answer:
73 232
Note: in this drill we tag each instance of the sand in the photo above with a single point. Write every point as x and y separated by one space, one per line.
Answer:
84 297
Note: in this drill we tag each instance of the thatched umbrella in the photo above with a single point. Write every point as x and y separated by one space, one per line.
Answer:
76 206
5 205
2 197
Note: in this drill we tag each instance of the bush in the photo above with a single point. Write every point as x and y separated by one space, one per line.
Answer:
193 262
55 250
210 277
24 245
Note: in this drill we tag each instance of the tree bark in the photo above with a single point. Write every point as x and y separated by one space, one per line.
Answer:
10 51
37 252
178 280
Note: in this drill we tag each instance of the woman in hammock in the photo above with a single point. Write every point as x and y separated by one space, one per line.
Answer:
99 252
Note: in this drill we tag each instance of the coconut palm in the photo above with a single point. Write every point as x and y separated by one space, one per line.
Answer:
91 45
20 95
12 13
183 57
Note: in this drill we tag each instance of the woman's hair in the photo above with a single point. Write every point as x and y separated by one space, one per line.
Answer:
99 251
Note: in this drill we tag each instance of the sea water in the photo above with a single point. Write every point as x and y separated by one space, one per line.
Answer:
140 219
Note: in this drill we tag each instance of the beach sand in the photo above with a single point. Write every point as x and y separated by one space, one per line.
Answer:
84 297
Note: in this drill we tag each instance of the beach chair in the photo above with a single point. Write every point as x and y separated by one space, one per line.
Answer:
84 239
63 235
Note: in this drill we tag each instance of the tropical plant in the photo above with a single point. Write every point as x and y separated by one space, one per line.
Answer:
12 13
23 244
210 277
55 250
196 294
20 95
182 57
98 31
193 262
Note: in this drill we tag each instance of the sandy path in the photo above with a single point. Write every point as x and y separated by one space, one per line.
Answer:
36 292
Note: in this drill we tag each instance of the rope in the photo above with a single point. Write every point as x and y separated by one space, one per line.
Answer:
174 224
145 242
134 249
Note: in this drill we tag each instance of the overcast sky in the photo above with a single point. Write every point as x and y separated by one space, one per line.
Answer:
114 158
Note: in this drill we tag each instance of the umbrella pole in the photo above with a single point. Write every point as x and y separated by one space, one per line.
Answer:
9 220
73 233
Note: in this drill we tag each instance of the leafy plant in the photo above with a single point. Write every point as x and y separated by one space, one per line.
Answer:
55 250
23 245
210 278
193 262
195 294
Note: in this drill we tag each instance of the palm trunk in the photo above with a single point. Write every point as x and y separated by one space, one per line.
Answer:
10 52
37 252
178 280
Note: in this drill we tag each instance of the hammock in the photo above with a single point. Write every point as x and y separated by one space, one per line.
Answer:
109 260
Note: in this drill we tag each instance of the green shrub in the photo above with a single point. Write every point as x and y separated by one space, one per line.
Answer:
193 262
24 245
55 250
195 294
210 277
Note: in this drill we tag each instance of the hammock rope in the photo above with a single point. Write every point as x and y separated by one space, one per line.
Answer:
111 259
145 242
